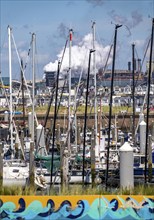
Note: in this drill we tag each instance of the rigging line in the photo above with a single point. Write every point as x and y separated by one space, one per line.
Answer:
146 94
149 76
124 117
99 40
79 82
51 100
75 110
13 119
49 106
58 103
7 99
77 104
28 55
145 53
136 85
106 63
6 95
19 141
90 112
45 121
63 53
72 119
111 45
139 70
143 60
24 77
60 64
107 59
126 125
61 95
107 119
54 123
19 60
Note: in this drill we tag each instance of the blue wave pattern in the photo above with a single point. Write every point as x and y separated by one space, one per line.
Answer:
101 208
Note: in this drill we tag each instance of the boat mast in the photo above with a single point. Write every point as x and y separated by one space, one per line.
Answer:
33 82
23 99
110 104
133 91
10 75
95 85
85 117
69 87
54 122
148 102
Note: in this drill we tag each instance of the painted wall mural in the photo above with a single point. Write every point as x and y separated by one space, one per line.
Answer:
83 207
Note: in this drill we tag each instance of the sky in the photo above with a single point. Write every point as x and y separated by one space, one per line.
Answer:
51 22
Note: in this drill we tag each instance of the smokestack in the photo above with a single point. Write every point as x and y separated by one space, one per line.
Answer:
139 65
134 64
129 66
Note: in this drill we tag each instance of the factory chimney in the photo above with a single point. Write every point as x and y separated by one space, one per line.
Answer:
129 66
139 65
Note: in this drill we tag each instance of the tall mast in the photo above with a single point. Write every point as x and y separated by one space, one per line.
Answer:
23 99
148 102
95 85
75 121
85 117
10 75
110 104
69 98
54 122
33 82
133 91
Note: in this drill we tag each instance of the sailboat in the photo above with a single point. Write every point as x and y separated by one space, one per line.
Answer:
146 162
15 169
142 168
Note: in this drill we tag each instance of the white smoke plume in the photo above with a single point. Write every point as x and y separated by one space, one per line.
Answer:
80 55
